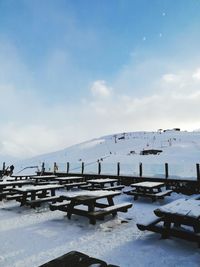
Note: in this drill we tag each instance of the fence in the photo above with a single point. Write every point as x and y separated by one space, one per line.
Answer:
175 171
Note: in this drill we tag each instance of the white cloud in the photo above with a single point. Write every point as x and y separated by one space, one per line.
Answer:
171 78
101 89
196 75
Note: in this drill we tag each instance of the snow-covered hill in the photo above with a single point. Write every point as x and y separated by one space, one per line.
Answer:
178 148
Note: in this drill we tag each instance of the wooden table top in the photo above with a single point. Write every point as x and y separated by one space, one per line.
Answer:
82 195
37 188
102 181
148 184
181 207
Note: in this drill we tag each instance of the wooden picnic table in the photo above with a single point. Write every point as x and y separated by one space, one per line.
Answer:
148 189
31 192
67 180
40 178
180 218
89 199
101 182
7 186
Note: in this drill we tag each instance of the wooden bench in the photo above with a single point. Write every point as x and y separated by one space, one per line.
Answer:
182 233
71 185
86 187
110 210
5 193
117 187
154 196
45 182
149 225
39 201
62 206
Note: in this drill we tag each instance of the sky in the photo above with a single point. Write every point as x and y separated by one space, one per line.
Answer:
72 70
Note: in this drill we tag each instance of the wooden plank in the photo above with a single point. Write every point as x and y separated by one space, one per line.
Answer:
119 207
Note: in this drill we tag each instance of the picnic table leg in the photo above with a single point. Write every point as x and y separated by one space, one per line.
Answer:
23 199
196 228
111 203
91 209
32 195
44 193
166 229
53 192
70 209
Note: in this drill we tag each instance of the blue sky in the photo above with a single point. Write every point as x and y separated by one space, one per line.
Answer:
74 70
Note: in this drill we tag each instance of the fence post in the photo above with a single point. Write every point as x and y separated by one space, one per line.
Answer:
166 170
82 167
198 172
166 173
55 167
67 167
99 167
42 168
4 167
118 168
140 169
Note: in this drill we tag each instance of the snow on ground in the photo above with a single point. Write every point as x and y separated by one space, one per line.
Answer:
32 237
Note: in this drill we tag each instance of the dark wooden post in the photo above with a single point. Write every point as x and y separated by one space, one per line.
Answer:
118 168
67 167
55 167
99 167
43 168
166 170
82 167
4 167
198 172
166 174
140 169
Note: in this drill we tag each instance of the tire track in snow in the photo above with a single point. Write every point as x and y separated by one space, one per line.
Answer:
103 239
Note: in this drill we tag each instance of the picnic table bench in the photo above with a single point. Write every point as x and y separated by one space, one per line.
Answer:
71 179
89 199
100 183
113 188
43 178
148 189
76 184
180 218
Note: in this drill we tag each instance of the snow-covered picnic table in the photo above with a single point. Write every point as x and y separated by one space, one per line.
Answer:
180 218
72 200
186 208
32 192
148 189
38 178
101 182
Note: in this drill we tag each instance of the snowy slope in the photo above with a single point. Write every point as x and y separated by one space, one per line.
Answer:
175 144
180 148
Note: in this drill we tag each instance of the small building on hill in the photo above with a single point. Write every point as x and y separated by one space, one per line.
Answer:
150 152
